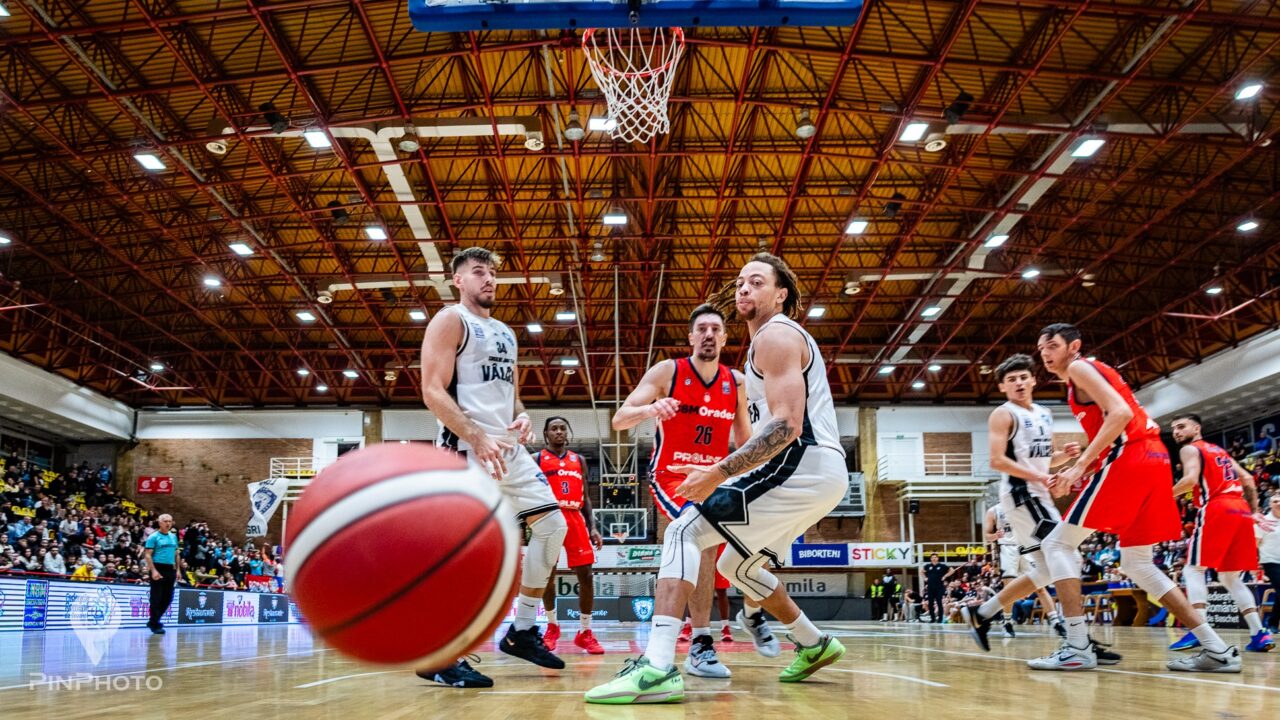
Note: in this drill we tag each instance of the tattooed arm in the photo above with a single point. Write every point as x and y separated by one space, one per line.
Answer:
780 355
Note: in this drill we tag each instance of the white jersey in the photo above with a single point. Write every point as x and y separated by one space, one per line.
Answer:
1030 444
484 373
819 426
1006 529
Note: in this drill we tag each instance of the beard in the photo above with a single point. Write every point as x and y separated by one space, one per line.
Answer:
486 301
707 355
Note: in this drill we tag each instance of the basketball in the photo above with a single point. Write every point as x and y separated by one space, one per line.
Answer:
402 554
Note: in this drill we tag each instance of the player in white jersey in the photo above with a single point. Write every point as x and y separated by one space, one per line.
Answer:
1013 563
469 382
789 475
1020 442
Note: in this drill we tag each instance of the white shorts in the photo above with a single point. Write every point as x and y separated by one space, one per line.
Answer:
525 486
1012 562
765 510
1026 508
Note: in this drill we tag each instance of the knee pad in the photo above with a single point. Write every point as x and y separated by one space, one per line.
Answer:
546 537
682 545
1240 592
747 574
1061 560
1193 578
1136 563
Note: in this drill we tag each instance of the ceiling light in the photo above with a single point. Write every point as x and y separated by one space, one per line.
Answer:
322 388
886 369
317 139
569 371
417 315
935 367
995 241
5 239
149 161
1030 274
805 129
566 316
931 311
573 131
913 131
918 385
277 121
4 11
1213 290
601 124
324 297
556 288
1247 226
305 316
1249 91
597 252
241 249
817 311
409 143
614 217
157 367
375 232
212 282
853 287
338 213
304 372
534 328
351 374
856 226
936 142
569 361
1088 147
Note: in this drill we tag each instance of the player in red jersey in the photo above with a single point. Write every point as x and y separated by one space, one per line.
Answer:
1223 539
566 472
1126 492
697 403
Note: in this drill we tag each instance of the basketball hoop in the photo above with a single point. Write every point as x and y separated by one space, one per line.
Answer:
635 67
619 531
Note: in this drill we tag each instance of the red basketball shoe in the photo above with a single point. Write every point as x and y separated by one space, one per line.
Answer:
586 640
551 636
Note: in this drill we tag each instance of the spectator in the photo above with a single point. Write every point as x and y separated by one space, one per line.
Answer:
53 563
1262 446
226 581
935 574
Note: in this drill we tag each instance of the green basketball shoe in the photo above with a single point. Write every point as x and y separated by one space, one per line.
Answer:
809 660
640 682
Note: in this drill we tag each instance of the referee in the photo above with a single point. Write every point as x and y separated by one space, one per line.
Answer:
161 557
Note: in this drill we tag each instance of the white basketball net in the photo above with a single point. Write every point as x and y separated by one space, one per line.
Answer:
634 68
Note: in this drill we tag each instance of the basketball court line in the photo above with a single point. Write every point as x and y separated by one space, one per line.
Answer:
907 678
1166 676
583 692
326 681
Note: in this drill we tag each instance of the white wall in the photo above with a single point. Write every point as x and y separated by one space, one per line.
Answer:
1253 362
58 398
235 424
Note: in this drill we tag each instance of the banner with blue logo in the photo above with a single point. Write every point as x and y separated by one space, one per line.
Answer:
811 554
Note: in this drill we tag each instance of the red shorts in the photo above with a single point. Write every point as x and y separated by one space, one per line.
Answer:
721 582
1131 496
663 488
577 542
1223 539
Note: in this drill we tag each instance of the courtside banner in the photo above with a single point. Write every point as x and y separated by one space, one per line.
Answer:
820 554
855 555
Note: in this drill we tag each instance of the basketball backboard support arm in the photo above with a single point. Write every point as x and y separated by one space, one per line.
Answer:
469 15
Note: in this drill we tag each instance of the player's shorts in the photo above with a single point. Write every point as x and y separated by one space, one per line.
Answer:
769 507
577 542
722 583
1131 496
662 485
1012 562
1223 538
525 486
1031 514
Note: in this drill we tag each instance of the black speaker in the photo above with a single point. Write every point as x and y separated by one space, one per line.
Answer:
913 506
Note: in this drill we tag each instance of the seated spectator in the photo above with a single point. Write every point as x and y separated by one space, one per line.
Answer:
82 571
53 563
225 582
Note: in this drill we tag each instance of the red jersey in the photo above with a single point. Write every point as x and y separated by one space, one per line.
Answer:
1217 475
1091 417
567 476
699 433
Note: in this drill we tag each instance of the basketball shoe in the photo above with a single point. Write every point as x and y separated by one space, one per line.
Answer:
1066 657
1260 642
809 660
459 675
726 634
979 626
1103 655
551 636
703 661
1208 661
586 640
528 645
1008 629
639 682
1186 642
761 636
686 632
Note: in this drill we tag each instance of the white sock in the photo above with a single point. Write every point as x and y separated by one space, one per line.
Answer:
699 632
989 608
1053 617
752 611
804 631
661 650
586 620
1077 633
551 616
1254 622
1201 613
1208 638
526 611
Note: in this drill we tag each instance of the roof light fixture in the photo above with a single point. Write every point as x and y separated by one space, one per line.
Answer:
805 128
317 139
5 239
856 226
375 232
566 315
931 311
303 372
350 374
322 388
601 124
935 367
1088 147
241 249
917 385
533 328
211 281
557 288
569 361
1213 290
816 312
614 216
417 315
150 161
913 131
597 251
886 369
305 316
1247 226
157 367
1030 274
573 131
995 241
1249 91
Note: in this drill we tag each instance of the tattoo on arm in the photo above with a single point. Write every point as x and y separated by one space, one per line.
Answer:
771 439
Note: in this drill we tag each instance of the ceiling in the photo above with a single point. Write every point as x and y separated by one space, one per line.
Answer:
106 270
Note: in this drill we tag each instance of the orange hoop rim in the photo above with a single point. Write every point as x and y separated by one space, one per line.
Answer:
677 34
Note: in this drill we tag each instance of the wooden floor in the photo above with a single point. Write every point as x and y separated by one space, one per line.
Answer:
892 672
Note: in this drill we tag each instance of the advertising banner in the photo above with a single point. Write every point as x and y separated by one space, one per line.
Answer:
273 608
865 555
199 607
239 608
831 555
148 484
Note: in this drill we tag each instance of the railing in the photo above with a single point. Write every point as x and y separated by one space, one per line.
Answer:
294 467
936 475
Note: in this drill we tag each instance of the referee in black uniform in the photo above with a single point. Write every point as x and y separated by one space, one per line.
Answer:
934 573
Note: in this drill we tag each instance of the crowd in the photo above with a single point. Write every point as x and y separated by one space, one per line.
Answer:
72 524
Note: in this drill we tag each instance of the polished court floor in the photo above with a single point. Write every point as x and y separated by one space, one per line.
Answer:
891 672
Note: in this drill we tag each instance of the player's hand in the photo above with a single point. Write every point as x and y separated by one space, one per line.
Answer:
1072 449
489 453
664 409
155 574
1263 522
523 429
597 539
700 480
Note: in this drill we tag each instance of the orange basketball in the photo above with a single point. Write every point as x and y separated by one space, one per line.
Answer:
402 554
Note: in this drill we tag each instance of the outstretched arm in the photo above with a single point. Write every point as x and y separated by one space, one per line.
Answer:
649 399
